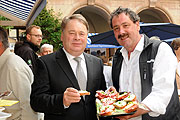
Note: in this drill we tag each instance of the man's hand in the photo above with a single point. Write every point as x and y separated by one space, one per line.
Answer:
71 95
139 112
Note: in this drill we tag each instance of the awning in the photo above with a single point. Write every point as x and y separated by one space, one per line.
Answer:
165 31
22 13
89 45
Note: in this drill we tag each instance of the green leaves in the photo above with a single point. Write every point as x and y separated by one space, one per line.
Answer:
2 18
51 27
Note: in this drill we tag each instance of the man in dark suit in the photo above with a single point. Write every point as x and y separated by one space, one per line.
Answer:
55 88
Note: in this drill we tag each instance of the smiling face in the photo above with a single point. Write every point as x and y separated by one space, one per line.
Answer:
126 32
74 37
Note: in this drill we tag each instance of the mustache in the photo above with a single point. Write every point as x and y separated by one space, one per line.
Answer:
122 35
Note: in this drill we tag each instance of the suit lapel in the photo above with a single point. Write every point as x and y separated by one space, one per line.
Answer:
89 65
65 66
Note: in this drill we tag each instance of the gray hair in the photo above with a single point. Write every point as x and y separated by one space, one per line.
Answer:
4 38
132 15
154 38
74 16
46 46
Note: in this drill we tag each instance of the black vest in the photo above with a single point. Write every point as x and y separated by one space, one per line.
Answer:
148 54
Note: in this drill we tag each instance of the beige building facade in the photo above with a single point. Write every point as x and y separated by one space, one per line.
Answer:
97 12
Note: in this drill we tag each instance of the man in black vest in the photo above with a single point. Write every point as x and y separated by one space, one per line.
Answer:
144 67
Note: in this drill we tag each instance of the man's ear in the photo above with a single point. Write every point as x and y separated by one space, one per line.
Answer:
1 44
28 36
62 37
138 25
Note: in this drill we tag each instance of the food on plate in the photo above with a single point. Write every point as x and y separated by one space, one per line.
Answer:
111 92
107 110
132 106
130 97
122 95
120 104
100 94
84 92
110 102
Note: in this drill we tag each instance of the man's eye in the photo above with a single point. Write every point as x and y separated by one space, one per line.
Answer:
116 28
72 33
82 34
125 26
38 35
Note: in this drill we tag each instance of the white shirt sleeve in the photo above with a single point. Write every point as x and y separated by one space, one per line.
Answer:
163 81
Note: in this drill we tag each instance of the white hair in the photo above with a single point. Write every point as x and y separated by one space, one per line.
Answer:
154 38
46 46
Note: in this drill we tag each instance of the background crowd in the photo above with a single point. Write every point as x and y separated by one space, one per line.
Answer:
48 82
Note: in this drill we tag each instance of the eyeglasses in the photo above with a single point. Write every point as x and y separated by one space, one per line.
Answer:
38 36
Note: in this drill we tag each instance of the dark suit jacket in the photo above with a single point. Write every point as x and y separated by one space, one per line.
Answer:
53 75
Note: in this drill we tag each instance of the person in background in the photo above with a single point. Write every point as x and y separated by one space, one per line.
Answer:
137 68
176 47
28 48
154 38
94 53
15 76
55 90
104 58
98 53
46 49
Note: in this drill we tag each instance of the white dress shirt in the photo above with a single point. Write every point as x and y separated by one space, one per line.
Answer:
163 77
73 63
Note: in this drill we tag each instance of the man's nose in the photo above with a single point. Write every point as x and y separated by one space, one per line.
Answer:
77 36
121 30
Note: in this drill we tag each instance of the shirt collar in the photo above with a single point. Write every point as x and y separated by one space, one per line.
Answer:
71 57
34 47
139 46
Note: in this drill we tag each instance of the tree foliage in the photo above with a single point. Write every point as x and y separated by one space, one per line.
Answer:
51 27
2 18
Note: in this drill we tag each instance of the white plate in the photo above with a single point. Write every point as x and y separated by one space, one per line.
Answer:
4 116
1 109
